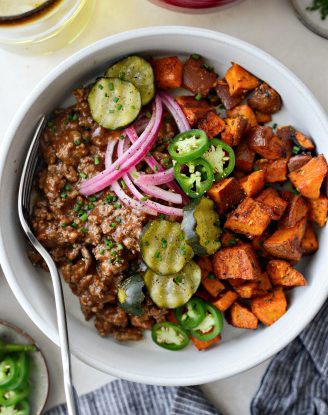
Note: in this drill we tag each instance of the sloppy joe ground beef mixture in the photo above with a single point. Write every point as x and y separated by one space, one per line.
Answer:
93 240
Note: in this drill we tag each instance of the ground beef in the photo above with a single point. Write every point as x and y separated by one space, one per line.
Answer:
92 240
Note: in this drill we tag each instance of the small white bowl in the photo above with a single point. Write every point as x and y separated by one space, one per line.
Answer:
143 361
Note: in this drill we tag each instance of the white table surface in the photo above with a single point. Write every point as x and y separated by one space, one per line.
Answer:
269 24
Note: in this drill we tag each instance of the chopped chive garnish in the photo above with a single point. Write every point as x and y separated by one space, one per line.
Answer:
74 225
109 198
121 76
135 175
274 126
113 224
111 111
115 99
156 168
121 137
148 114
296 149
144 199
232 242
63 195
109 244
111 86
117 205
97 160
119 106
164 243
198 97
92 198
119 247
84 230
195 56
84 217
77 142
123 184
118 167
83 175
118 219
100 86
91 206
162 216
157 255
86 140
101 251
63 225
178 279
67 187
147 243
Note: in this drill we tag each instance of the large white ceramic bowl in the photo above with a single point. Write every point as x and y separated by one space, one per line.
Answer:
143 361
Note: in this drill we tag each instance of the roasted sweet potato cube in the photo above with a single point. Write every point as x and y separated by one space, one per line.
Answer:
212 124
244 157
264 283
168 72
209 280
282 273
193 110
247 289
287 195
309 242
222 89
258 245
236 262
253 183
239 80
229 239
270 307
262 140
225 300
249 218
234 130
262 118
265 99
205 344
246 112
271 201
296 162
304 141
297 210
318 209
242 317
308 179
286 243
226 193
275 170
197 76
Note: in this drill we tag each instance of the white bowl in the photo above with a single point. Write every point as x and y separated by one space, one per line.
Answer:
143 361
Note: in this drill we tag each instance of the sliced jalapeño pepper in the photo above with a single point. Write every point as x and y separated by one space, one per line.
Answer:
195 177
188 145
211 325
22 369
191 314
11 397
170 336
221 157
21 408
13 348
8 371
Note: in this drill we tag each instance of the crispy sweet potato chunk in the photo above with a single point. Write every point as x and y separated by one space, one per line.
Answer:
225 300
168 72
262 140
197 77
193 110
236 262
240 81
249 289
270 307
242 317
296 162
245 112
308 179
229 239
234 130
275 170
257 244
304 141
209 281
297 210
205 344
271 201
282 273
222 89
226 193
286 243
244 157
318 209
262 118
212 124
265 99
309 242
250 218
253 183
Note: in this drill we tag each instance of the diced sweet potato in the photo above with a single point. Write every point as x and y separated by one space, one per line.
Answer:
287 195
270 307
304 141
282 273
212 124
297 210
197 76
242 317
262 140
255 287
168 72
209 280
318 209
229 239
264 283
240 81
253 183
309 242
205 344
193 110
234 130
247 289
258 245
222 89
244 157
225 300
286 243
226 193
262 118
245 112
265 99
296 162
271 201
236 262
250 218
275 170
308 179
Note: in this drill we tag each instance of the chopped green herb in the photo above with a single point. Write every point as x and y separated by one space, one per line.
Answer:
182 249
109 244
92 198
135 175
198 97
211 277
232 242
118 219
195 56
321 5
148 114
157 255
178 279
121 137
162 216
155 168
144 199
296 149
274 126
109 198
117 205
86 140
84 217
100 86
91 206
84 230
164 243
182 237
113 224
111 86
101 251
74 117
115 99
63 225
118 167
121 76
63 195
83 175
77 142
97 160
74 225
147 243
119 247
67 187
111 111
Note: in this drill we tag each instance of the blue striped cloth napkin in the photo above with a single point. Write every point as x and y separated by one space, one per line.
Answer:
295 383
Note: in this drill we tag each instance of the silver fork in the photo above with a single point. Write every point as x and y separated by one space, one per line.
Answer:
24 199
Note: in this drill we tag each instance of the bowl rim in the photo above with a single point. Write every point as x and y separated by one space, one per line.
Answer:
275 347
